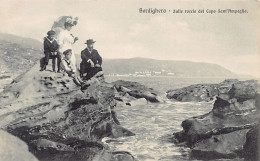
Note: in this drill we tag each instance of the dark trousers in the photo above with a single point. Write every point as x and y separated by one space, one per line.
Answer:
92 71
89 71
45 61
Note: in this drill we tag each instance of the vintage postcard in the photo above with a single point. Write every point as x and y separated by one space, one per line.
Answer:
129 80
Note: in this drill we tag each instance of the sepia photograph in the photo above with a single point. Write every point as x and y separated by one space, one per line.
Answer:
130 80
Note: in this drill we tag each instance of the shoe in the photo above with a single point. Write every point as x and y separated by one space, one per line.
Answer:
43 68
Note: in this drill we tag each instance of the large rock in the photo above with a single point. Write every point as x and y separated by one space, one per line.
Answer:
200 92
13 149
251 148
128 91
226 146
57 119
221 133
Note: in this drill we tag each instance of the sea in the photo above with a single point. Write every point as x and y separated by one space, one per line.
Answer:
154 123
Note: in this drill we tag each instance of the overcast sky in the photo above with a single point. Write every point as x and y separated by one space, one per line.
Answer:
230 40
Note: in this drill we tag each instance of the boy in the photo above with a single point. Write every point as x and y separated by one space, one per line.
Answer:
70 68
51 52
66 63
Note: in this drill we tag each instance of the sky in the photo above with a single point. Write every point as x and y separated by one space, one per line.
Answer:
120 31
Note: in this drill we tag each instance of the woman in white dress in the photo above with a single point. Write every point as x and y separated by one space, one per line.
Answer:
64 38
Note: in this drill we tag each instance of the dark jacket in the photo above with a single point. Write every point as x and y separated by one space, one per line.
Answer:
94 56
50 47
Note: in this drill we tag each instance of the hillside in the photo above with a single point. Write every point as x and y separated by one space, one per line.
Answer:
22 41
143 66
17 54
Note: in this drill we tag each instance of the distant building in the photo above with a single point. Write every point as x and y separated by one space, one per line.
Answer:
170 73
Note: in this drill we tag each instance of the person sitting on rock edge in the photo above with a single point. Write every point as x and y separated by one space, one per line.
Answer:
66 64
51 52
68 67
91 61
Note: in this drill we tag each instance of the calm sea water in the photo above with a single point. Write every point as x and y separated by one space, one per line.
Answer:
154 124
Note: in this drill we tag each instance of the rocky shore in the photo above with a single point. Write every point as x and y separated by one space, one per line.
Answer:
231 129
59 121
46 116
133 93
200 92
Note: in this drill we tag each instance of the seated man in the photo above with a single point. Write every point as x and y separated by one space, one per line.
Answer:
91 61
51 52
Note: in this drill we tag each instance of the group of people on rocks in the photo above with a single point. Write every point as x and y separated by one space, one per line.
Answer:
58 45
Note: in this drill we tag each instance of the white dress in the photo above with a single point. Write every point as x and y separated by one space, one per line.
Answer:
63 36
65 41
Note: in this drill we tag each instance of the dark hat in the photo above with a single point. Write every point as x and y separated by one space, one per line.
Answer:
51 32
67 51
90 41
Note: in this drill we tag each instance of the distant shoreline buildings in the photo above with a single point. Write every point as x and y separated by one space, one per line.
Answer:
146 74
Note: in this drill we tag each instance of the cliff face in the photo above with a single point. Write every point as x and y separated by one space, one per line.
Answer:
222 133
58 120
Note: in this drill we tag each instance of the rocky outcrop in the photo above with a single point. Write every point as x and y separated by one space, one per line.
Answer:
222 132
134 93
200 92
58 120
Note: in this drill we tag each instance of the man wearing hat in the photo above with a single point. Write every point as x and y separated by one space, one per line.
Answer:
51 51
91 60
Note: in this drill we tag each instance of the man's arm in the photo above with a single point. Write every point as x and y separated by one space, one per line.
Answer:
84 56
57 46
45 46
99 58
